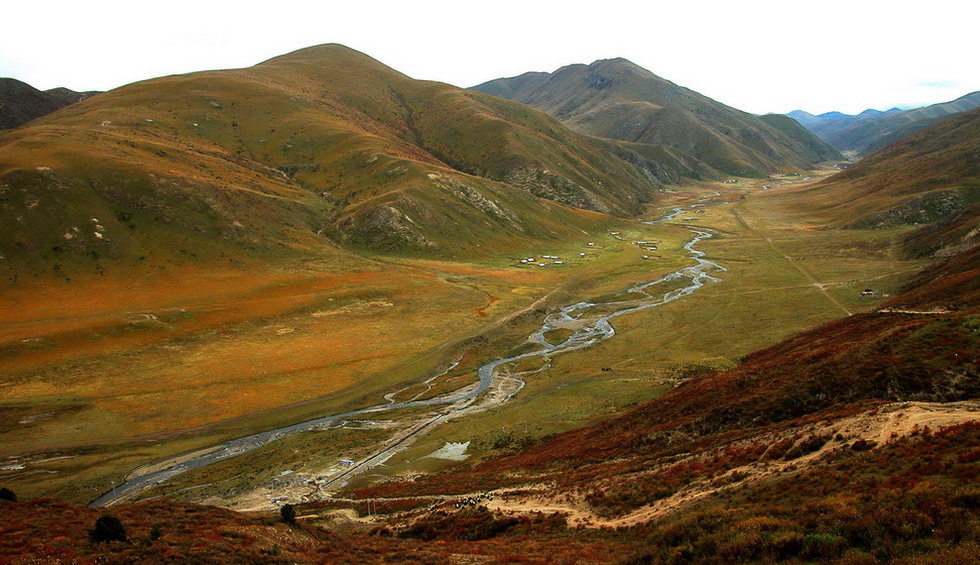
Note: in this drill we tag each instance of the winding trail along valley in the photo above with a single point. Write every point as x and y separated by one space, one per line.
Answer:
589 323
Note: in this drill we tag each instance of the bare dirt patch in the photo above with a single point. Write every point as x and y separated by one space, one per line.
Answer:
876 428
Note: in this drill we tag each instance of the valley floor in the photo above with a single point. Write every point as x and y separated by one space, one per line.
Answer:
233 353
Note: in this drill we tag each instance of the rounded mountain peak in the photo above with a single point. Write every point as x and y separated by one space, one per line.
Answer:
327 52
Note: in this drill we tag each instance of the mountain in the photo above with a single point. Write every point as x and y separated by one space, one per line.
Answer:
615 98
930 177
806 119
872 129
321 146
857 441
812 145
21 102
69 96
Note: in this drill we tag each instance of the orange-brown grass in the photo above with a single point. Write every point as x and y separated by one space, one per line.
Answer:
225 344
66 313
51 531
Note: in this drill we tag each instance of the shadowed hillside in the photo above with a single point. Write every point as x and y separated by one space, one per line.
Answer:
21 103
617 99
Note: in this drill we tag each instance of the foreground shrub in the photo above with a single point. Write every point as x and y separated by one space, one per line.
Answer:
107 528
288 514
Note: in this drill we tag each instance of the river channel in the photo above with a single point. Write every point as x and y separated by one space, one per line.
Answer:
589 322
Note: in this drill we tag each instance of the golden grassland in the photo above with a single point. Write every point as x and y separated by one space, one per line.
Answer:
103 373
229 353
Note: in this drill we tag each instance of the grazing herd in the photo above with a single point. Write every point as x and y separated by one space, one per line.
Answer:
473 500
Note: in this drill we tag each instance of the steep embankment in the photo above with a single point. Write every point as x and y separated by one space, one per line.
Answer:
614 98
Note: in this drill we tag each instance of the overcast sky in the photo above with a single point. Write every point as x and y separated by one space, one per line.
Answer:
756 55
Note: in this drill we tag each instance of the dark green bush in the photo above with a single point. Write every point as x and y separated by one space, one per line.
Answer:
107 528
288 513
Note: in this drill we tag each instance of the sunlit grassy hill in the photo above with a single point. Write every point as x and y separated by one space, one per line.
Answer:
617 99
284 159
932 177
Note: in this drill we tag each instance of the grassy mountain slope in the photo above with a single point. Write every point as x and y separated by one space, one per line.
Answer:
814 147
269 162
616 99
243 246
870 131
931 177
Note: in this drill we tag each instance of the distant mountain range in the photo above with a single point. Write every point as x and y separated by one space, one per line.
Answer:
617 99
871 130
21 102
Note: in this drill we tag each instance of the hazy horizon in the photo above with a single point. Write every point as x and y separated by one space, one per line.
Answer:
760 56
